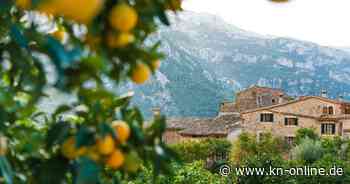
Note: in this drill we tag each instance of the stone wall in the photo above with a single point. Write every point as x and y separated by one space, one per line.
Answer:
307 109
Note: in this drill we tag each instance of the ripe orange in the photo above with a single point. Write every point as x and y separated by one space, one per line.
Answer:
123 17
82 11
120 40
122 130
69 149
140 73
92 153
59 35
115 160
24 4
3 145
106 145
156 64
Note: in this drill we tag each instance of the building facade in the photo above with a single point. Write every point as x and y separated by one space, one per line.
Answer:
259 110
326 116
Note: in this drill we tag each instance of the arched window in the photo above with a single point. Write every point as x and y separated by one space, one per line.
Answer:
330 110
325 110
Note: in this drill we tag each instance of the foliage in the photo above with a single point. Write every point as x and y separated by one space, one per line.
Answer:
190 151
189 173
89 43
247 146
308 150
303 133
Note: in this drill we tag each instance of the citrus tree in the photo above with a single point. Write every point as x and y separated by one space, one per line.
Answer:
75 46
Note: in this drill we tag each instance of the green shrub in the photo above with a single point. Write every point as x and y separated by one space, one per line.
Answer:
190 151
247 146
303 133
308 151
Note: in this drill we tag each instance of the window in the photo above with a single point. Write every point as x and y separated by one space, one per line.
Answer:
291 121
347 110
266 117
273 101
325 110
330 110
290 140
328 129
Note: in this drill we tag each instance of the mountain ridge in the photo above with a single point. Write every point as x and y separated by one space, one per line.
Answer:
209 59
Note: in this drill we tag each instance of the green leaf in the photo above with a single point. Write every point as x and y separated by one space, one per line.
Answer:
85 137
6 170
61 109
57 133
18 37
52 171
163 17
88 172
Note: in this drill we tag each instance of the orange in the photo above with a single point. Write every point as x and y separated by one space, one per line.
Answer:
69 149
120 40
123 17
140 73
24 4
156 64
106 145
59 35
82 11
122 130
115 160
92 153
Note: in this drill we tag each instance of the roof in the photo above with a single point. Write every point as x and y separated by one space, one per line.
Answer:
295 101
219 126
260 89
228 107
181 123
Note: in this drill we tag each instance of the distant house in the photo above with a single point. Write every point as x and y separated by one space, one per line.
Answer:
327 116
261 109
254 97
182 129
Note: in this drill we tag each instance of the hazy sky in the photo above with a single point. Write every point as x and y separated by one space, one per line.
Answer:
326 22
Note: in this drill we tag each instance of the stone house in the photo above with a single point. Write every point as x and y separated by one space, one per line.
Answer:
259 110
254 97
327 116
182 129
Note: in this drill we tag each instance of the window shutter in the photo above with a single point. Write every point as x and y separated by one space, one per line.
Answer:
296 121
272 118
285 121
333 128
322 129
261 117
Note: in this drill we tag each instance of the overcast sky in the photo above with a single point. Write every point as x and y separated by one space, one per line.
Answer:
326 22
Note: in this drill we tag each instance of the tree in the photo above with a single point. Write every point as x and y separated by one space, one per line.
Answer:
89 42
303 133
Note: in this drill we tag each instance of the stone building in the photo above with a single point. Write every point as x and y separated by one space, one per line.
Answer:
254 97
182 129
259 110
326 116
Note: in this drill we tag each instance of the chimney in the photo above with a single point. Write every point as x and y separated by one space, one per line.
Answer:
324 93
156 111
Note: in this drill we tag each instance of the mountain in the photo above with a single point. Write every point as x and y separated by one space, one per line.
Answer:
208 59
